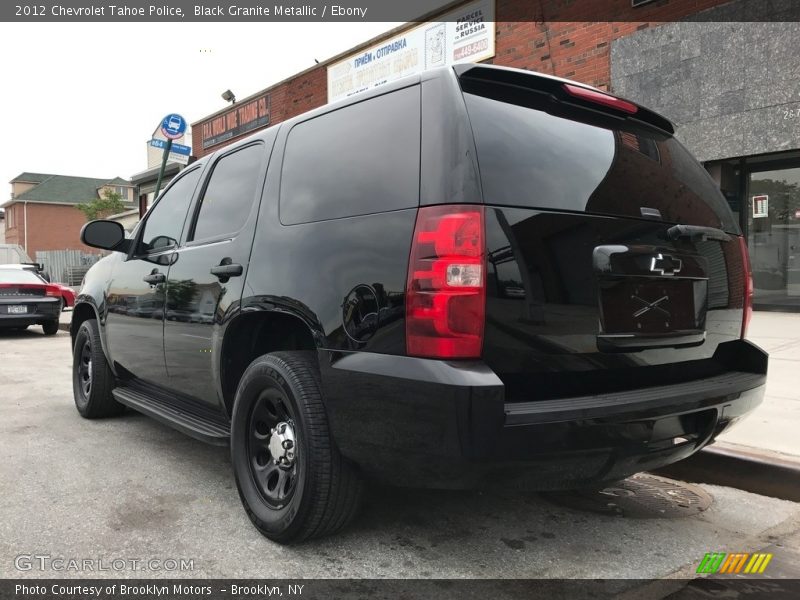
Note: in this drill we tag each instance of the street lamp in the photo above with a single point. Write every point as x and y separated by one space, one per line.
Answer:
228 96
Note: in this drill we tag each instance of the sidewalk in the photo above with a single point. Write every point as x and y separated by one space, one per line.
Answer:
775 425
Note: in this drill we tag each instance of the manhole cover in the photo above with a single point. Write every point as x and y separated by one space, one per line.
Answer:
642 496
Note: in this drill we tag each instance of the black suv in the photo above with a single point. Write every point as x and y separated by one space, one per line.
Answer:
475 274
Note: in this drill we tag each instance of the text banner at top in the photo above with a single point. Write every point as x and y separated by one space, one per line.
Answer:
388 10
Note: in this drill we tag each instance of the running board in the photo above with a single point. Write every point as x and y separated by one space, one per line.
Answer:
201 427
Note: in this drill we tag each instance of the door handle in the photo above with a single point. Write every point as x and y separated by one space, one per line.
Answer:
227 269
154 278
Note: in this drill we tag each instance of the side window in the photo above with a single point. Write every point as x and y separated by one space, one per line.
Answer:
162 229
357 160
230 193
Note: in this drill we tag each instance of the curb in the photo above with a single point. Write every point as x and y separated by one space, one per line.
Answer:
745 468
65 320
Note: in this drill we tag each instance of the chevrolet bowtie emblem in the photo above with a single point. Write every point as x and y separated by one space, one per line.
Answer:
664 264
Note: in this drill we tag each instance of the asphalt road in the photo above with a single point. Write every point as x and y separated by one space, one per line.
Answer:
132 489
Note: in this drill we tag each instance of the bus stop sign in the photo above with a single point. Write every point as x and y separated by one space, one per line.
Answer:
173 126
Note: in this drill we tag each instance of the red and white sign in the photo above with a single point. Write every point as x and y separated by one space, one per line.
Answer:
760 207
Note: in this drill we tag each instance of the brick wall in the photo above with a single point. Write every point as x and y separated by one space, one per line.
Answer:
552 42
50 227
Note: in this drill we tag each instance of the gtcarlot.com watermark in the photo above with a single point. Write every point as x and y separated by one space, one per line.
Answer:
46 562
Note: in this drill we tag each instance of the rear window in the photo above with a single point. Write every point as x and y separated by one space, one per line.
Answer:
357 160
19 276
565 159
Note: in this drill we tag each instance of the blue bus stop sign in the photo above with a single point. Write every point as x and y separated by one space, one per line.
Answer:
173 126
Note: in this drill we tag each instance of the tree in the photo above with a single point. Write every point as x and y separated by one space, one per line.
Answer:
181 294
99 208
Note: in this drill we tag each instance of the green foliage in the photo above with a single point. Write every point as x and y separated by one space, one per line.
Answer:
181 294
100 208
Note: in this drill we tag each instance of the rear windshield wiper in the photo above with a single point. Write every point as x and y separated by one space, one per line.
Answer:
697 233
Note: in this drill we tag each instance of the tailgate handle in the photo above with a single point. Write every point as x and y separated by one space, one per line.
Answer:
697 233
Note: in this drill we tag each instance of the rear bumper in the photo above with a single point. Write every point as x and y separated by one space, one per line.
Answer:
426 423
39 311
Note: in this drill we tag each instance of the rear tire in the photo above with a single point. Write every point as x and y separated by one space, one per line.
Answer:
92 379
313 492
50 327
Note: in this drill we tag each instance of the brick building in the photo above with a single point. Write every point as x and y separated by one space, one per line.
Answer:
41 213
717 68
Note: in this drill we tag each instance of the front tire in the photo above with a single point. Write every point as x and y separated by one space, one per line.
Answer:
292 481
92 379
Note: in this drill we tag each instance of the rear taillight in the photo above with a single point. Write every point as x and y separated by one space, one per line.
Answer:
446 288
52 290
748 286
597 97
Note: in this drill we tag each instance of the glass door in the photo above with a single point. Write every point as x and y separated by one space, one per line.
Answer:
773 235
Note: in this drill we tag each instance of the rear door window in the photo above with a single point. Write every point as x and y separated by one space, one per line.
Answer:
230 193
360 159
533 153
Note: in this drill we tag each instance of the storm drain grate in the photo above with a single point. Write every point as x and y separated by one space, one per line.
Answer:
642 496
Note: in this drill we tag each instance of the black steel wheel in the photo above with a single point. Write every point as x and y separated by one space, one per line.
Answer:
92 379
85 369
272 447
292 481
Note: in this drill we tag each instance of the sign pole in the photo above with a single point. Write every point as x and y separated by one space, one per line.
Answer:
173 126
167 148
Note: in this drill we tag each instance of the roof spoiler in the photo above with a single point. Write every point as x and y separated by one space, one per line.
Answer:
566 91
37 266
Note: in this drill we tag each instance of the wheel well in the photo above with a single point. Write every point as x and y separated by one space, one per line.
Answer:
82 312
253 335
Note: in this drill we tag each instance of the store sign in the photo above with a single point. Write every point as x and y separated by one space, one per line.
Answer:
463 35
760 207
238 120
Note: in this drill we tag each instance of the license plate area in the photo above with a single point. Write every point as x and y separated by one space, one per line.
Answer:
17 309
653 307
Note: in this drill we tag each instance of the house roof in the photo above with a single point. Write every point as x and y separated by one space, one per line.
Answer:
30 177
62 189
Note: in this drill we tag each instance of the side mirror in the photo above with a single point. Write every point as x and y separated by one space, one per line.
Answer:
162 242
108 235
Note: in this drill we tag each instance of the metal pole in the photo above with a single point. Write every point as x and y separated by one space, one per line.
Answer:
167 148
26 228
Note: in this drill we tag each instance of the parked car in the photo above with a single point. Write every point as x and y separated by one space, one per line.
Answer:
67 293
357 257
26 299
29 266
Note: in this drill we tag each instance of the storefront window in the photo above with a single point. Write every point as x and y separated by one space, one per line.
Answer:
773 219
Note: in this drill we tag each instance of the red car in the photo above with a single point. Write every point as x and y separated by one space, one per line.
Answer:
27 299
67 293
